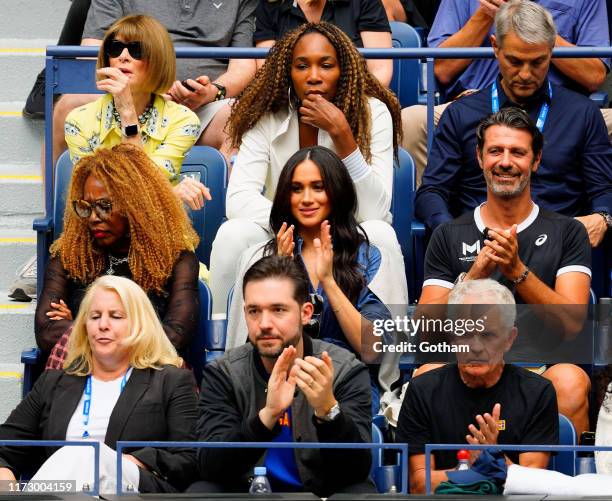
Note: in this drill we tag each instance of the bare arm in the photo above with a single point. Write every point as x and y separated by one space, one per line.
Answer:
534 459
472 34
91 41
382 69
590 73
417 474
238 75
434 294
264 44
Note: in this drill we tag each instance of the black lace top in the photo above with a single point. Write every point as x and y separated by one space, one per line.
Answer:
177 307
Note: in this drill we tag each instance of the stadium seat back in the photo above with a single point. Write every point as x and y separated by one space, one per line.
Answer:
196 353
565 462
401 210
207 165
406 72
384 476
63 173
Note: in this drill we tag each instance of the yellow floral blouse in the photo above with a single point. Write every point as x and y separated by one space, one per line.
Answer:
169 132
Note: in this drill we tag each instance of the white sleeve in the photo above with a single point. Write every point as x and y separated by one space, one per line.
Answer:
248 178
374 182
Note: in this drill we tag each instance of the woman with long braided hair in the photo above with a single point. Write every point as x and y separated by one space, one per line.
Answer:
121 218
314 89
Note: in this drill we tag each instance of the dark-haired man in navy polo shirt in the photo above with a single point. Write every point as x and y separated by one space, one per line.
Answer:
575 174
542 256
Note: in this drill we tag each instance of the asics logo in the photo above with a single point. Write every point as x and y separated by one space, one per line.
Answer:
541 239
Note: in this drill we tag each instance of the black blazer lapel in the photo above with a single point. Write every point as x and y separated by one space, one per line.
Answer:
134 389
66 398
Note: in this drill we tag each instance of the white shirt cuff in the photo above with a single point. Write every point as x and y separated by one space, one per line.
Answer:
356 166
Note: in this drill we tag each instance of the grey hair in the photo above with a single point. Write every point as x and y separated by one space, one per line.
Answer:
492 293
531 22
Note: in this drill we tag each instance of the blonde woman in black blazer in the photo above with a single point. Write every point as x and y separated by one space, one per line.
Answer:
119 348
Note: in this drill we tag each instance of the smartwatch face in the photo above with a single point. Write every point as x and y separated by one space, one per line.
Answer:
131 130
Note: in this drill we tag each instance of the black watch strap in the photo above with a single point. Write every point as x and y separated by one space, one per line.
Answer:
221 91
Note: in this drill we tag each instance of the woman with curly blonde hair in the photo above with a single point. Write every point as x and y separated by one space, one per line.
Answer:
121 218
314 89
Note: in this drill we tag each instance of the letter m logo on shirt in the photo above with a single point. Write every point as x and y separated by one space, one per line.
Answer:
472 249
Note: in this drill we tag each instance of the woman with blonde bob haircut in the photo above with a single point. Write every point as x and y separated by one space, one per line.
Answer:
155 45
121 382
136 66
121 218
149 346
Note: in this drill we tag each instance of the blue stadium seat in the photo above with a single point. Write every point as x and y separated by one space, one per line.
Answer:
409 231
384 476
402 210
406 72
565 462
208 166
196 353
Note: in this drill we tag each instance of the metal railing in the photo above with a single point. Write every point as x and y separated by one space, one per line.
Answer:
403 448
63 443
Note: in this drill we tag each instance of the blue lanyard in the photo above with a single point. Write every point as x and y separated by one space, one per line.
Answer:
87 401
543 110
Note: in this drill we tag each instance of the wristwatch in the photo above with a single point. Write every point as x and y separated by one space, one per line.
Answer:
331 415
607 218
221 91
130 130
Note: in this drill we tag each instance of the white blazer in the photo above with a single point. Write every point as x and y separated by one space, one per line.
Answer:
275 138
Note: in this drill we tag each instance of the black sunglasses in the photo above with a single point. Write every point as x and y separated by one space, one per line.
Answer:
83 208
114 48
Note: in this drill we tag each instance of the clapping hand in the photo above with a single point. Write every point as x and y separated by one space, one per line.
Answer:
284 240
504 244
487 431
483 266
324 249
315 379
281 388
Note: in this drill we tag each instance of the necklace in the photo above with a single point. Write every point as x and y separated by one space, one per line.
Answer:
115 261
142 119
